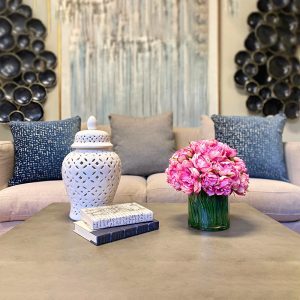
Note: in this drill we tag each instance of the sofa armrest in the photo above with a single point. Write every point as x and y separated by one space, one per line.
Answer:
6 162
292 158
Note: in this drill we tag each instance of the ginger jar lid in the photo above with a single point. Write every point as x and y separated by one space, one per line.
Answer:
92 138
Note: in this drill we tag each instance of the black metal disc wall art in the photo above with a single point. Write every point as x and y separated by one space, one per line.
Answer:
9 88
39 92
26 66
29 77
33 111
268 69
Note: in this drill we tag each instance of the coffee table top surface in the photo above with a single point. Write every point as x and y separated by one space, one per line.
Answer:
257 258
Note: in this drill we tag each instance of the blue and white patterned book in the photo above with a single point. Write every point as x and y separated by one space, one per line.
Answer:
115 215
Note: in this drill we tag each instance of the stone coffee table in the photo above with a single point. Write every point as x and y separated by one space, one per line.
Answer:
257 258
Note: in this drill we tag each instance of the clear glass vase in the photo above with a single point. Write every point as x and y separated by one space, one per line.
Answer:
208 213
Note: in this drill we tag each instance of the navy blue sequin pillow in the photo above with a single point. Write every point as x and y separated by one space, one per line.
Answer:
40 148
258 141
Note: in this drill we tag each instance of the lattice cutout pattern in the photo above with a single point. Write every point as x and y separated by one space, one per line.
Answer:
91 179
92 138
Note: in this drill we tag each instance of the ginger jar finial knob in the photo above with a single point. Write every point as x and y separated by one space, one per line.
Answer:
92 123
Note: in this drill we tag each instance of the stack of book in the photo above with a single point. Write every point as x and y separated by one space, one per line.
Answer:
106 224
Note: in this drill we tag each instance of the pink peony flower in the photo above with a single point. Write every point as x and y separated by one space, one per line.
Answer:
210 166
201 163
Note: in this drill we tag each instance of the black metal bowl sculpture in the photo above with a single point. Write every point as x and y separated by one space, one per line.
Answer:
259 57
37 46
27 58
9 88
254 19
29 77
291 109
295 94
280 3
16 116
254 103
22 96
47 78
265 5
39 92
33 111
39 64
252 88
7 42
268 70
279 67
19 22
25 10
13 4
5 26
250 69
265 93
272 106
240 78
6 108
2 6
26 66
10 66
50 59
272 18
251 42
2 94
23 41
266 35
282 90
37 28
242 57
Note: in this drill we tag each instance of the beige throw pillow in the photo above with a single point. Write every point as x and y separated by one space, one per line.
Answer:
143 144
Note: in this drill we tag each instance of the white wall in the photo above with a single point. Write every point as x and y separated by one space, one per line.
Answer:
45 11
234 30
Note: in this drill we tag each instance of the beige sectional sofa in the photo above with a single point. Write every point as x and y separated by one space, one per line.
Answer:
280 200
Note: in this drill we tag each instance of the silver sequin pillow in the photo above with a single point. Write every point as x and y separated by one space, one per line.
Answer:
258 141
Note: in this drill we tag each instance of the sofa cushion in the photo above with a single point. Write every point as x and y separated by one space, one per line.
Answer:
206 131
40 148
6 162
6 226
258 141
158 190
295 226
131 189
22 201
143 144
292 157
280 200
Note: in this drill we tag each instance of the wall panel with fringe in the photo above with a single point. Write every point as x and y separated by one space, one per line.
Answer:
135 57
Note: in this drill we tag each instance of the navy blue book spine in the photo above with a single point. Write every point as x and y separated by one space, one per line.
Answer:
109 235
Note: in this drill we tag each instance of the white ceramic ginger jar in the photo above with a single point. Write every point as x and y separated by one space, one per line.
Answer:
91 173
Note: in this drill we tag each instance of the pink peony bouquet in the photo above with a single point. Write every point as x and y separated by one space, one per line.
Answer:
210 166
